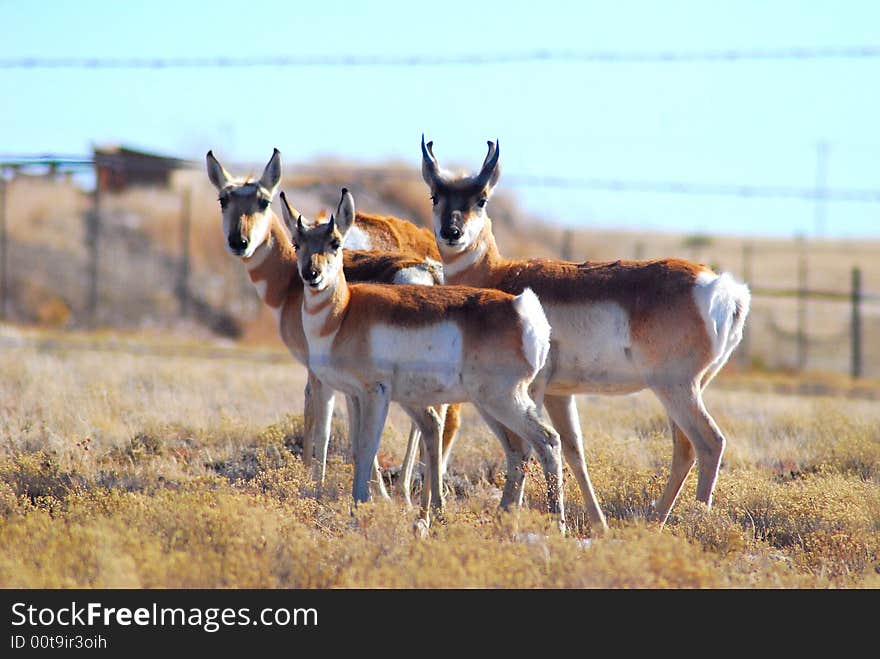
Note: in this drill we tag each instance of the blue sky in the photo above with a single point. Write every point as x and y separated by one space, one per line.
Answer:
748 123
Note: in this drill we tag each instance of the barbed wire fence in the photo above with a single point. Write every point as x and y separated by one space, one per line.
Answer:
729 56
804 342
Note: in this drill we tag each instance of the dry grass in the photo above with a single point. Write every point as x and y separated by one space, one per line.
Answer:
156 471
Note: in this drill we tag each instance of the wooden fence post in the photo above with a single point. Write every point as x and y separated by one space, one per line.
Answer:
856 326
565 252
183 273
802 313
93 233
4 251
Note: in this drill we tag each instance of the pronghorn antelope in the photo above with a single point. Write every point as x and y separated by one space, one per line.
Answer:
419 346
667 325
257 236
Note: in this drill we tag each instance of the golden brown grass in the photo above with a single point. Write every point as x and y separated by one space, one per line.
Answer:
120 470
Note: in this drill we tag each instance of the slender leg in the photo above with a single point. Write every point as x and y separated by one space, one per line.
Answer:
377 482
409 460
430 423
682 460
519 413
451 424
685 406
517 453
562 411
322 399
355 407
308 424
373 405
354 419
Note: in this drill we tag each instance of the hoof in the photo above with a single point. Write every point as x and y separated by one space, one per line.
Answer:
420 529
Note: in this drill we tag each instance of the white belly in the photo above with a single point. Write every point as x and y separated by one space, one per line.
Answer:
422 365
591 349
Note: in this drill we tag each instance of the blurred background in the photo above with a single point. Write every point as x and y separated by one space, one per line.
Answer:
742 135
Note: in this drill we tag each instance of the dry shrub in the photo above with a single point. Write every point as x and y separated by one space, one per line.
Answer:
122 471
38 477
826 521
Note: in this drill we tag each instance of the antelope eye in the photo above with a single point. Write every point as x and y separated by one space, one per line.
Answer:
263 203
334 245
224 202
295 246
434 199
482 203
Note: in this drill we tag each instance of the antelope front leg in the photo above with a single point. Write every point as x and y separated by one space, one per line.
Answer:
309 424
319 404
562 411
451 424
373 406
430 423
409 461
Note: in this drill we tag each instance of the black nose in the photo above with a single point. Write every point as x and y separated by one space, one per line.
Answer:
450 233
310 274
237 243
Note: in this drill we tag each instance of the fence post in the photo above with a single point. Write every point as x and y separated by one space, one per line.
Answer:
802 313
565 252
183 273
856 328
93 232
4 251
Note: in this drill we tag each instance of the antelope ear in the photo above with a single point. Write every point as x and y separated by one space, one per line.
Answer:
345 212
287 214
430 168
490 172
271 178
218 176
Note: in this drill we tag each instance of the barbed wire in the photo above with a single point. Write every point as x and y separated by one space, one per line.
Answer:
466 59
514 180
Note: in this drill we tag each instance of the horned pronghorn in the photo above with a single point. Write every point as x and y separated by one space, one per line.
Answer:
257 236
420 346
619 327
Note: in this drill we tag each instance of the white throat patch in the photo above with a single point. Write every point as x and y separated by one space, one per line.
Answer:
466 262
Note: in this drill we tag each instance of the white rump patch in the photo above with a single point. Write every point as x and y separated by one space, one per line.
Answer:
357 238
536 329
423 274
719 298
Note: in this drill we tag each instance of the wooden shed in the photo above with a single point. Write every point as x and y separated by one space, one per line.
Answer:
118 167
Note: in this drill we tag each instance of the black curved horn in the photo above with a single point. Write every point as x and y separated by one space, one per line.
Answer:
490 163
430 169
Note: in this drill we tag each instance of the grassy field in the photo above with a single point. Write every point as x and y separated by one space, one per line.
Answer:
158 463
